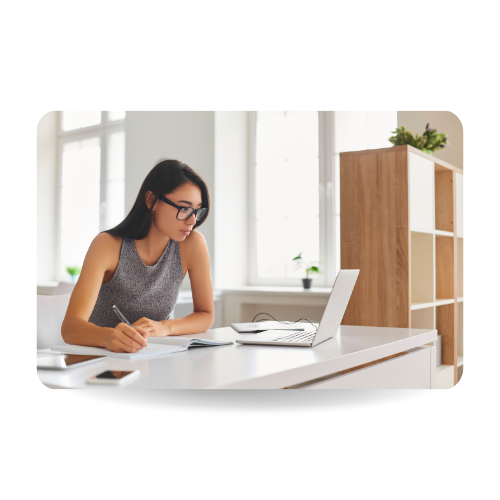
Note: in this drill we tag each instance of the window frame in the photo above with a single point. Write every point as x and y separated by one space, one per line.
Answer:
326 191
103 132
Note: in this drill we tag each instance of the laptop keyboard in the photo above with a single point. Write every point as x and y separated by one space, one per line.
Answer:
296 337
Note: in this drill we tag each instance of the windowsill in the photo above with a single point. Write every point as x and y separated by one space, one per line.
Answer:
46 287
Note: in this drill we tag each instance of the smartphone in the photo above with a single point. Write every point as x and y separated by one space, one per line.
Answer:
114 377
65 361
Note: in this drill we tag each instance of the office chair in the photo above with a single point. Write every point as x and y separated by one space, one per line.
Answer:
51 310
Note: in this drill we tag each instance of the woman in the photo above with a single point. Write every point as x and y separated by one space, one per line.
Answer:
139 266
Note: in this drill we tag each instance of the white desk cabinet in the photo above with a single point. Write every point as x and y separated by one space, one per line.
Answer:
409 371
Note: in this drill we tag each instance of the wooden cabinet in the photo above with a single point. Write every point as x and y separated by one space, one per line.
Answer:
401 224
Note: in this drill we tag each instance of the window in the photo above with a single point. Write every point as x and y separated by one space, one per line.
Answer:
91 181
294 187
285 216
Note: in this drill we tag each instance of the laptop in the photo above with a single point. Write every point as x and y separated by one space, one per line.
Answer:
330 321
262 326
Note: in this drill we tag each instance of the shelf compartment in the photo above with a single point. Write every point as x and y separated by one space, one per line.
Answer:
421 305
422 318
460 331
443 193
445 326
422 269
460 258
459 196
444 268
443 302
421 177
415 229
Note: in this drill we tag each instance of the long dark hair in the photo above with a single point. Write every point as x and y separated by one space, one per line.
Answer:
164 178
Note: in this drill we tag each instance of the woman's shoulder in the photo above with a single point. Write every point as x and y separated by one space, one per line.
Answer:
194 241
192 245
106 244
107 241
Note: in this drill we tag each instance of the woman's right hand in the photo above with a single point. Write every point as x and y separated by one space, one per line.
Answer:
123 338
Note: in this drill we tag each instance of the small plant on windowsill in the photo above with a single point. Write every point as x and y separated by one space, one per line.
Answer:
74 272
310 269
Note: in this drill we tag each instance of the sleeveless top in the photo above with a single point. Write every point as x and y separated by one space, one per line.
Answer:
139 290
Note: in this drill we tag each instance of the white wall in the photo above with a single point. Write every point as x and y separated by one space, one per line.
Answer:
46 197
444 122
187 136
231 195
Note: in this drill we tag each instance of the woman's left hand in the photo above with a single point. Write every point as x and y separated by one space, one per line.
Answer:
154 328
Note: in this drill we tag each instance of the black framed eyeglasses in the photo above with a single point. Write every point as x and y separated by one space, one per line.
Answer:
184 213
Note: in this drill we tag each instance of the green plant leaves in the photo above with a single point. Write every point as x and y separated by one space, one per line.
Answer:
428 142
310 269
73 270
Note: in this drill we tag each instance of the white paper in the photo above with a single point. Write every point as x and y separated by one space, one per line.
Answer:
186 341
154 350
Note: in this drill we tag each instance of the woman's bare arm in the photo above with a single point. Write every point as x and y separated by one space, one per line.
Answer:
198 264
76 328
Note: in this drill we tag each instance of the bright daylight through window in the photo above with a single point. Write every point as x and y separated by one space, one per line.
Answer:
295 188
92 181
286 193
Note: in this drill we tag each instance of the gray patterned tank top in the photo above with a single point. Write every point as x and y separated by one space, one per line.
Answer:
139 290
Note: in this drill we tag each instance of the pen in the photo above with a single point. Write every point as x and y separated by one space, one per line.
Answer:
123 318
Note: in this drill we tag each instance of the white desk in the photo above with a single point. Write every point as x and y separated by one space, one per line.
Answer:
264 367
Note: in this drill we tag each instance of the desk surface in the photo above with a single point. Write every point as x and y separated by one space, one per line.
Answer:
250 367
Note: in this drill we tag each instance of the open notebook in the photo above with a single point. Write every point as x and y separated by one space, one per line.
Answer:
156 347
186 342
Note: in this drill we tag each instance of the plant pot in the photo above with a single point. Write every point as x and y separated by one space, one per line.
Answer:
74 278
306 283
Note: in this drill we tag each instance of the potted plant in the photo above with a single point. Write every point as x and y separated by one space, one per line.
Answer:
428 142
74 272
310 269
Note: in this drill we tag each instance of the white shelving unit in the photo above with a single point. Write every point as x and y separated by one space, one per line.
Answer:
431 246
